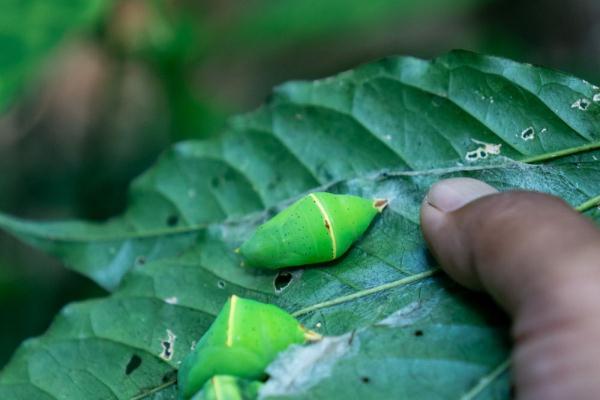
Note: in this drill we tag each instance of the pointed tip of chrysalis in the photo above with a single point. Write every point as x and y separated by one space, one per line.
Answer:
380 204
312 336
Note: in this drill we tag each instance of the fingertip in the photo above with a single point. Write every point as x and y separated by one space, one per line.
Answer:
451 194
538 258
432 218
440 232
432 222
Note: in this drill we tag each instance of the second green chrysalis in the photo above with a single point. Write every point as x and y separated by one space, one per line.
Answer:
319 227
243 340
227 387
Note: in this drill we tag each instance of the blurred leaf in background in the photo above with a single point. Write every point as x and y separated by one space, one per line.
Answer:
183 41
29 30
549 32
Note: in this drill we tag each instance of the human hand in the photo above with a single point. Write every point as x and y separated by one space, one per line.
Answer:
540 260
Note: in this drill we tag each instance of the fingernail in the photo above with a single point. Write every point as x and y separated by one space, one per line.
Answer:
451 194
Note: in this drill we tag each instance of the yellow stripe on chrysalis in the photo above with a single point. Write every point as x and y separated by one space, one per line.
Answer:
328 224
231 320
217 387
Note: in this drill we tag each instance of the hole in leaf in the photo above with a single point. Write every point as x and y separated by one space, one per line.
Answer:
167 349
134 363
282 280
172 220
221 285
472 155
168 346
169 376
528 134
141 260
418 333
365 379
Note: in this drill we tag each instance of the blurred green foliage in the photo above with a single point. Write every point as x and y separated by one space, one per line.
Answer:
30 29
176 39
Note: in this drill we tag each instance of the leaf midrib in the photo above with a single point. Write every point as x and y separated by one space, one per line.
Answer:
6 220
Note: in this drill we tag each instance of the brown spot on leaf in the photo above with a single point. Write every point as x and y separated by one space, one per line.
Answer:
380 204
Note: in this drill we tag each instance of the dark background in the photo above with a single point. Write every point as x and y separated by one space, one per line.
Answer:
154 72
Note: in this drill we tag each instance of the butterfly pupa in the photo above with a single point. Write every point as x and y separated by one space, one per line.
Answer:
227 387
319 227
242 341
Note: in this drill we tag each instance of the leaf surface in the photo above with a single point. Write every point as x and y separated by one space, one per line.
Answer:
384 130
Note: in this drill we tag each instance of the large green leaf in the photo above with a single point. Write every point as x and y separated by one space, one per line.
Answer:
388 129
30 30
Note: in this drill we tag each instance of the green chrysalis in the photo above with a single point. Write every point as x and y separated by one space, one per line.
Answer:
319 227
242 341
226 387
